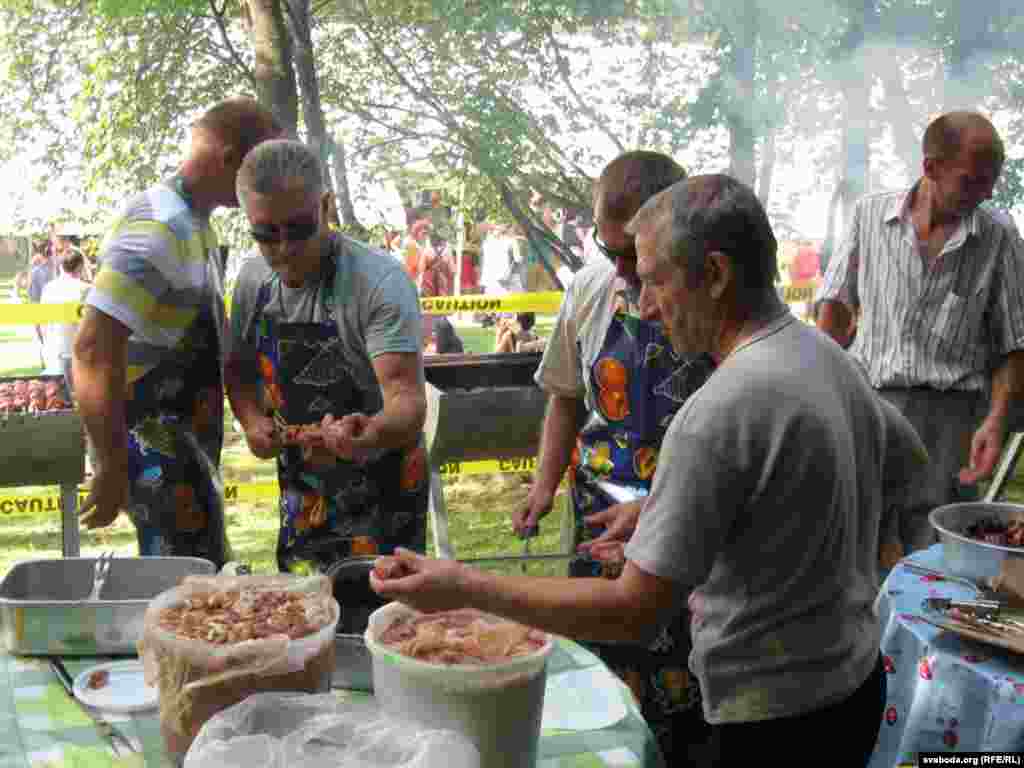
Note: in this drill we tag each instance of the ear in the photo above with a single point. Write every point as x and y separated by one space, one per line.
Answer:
230 157
930 165
719 273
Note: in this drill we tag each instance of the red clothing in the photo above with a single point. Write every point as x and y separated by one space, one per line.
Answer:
806 264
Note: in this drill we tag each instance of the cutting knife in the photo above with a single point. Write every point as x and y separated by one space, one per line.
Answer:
983 609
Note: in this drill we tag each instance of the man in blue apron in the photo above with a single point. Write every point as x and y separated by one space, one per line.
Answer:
326 332
147 358
614 385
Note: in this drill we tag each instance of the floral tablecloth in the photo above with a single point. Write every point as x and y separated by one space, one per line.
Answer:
946 693
590 720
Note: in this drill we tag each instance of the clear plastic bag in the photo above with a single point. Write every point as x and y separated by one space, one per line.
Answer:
198 679
281 730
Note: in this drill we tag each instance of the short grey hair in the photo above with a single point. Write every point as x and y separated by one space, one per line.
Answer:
276 166
714 213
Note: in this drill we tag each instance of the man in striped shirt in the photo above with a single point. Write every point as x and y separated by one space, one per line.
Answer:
149 352
939 285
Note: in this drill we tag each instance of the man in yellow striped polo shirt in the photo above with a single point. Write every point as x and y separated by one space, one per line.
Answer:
148 356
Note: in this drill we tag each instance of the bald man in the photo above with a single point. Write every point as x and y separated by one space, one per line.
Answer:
938 282
148 356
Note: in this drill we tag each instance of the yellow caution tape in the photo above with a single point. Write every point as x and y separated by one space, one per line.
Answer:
541 302
48 500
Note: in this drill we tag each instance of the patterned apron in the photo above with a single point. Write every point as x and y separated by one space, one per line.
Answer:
175 417
638 384
329 513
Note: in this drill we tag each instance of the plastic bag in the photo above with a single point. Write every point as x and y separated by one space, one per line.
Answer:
279 730
197 679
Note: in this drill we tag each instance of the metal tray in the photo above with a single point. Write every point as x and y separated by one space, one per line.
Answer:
43 606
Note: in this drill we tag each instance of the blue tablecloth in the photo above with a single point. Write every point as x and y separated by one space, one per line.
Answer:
590 720
946 693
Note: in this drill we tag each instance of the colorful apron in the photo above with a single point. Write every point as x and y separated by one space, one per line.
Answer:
175 418
329 513
637 385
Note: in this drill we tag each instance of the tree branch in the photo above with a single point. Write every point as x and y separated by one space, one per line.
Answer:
218 16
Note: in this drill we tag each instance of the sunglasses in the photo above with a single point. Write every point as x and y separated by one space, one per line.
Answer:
292 231
629 252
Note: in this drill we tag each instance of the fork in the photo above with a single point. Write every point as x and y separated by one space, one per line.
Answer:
100 571
120 745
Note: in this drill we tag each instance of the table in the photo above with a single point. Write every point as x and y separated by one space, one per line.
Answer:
40 726
946 693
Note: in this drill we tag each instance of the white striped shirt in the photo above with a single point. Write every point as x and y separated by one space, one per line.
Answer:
944 325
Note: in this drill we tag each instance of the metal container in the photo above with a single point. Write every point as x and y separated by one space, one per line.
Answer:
44 610
970 558
45 448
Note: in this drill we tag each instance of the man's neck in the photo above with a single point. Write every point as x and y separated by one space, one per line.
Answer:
927 215
191 188
737 329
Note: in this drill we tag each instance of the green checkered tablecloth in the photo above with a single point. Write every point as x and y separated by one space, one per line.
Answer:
40 726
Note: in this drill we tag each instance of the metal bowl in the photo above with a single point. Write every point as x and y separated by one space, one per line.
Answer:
967 557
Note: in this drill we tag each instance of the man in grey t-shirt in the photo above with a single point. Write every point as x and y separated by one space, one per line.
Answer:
765 507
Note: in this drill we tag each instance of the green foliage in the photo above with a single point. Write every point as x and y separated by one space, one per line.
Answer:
122 9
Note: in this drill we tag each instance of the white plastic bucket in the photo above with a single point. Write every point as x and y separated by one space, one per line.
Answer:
498 707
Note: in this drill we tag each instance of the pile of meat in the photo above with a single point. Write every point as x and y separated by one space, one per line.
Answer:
461 637
299 434
224 618
996 532
32 396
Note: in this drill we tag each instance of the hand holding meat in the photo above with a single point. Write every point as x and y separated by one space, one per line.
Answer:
619 523
427 584
355 437
263 438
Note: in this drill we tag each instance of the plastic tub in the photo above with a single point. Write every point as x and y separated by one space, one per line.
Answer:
498 707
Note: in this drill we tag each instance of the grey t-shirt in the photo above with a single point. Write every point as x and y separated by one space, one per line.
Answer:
375 306
766 504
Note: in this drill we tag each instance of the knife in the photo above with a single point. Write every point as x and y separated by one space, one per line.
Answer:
982 609
118 741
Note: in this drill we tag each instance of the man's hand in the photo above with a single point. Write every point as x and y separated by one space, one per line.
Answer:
426 584
538 504
108 495
263 437
986 448
619 521
355 437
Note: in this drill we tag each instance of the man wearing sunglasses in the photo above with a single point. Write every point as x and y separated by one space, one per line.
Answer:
147 358
326 332
614 384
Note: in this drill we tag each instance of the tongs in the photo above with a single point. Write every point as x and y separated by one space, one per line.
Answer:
981 609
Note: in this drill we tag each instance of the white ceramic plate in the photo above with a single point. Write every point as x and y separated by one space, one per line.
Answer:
125 689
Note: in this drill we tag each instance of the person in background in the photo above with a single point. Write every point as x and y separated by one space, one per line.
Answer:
517 335
415 243
42 271
326 331
938 283
613 385
444 341
764 512
149 350
58 338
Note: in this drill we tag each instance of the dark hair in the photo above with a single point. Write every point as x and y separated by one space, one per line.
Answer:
716 213
526 320
446 341
628 181
944 135
72 262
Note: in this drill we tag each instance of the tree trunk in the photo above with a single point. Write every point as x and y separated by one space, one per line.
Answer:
856 87
764 178
271 44
313 115
739 119
905 138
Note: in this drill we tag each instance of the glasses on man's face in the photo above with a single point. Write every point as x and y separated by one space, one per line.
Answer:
296 230
629 252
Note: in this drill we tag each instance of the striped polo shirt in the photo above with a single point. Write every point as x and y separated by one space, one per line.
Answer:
159 268
943 325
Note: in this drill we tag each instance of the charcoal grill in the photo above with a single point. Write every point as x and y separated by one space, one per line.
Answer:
46 448
479 407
